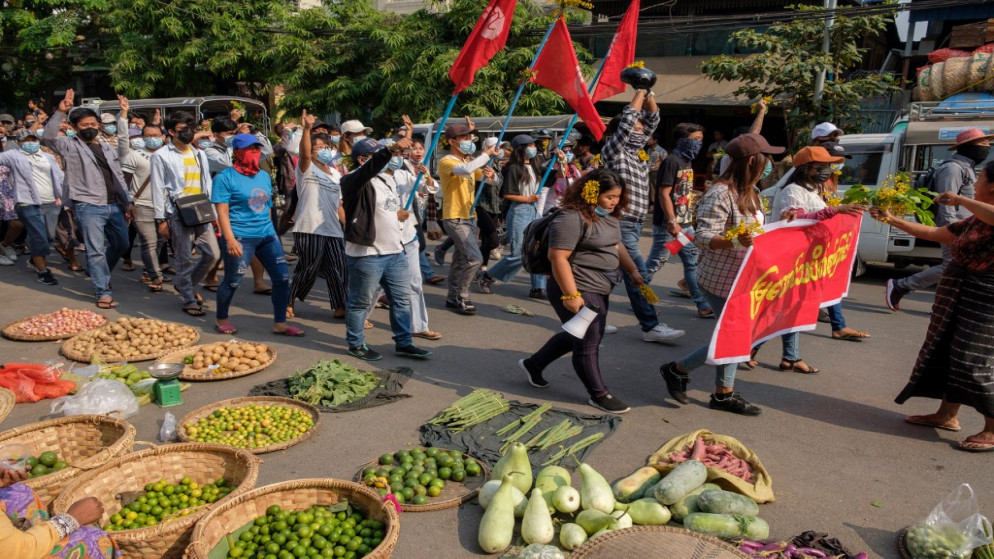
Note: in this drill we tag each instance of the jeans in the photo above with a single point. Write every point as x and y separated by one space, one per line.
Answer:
688 255
725 374
41 223
269 250
105 234
366 274
835 317
467 258
644 312
518 217
586 351
927 277
419 310
191 269
791 346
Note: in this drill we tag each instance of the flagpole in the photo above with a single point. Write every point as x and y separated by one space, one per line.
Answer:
514 105
431 149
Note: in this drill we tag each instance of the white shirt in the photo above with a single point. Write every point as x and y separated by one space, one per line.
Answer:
318 197
138 163
41 172
389 229
530 185
403 182
796 197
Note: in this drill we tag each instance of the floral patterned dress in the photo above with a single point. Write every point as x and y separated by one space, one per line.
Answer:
7 211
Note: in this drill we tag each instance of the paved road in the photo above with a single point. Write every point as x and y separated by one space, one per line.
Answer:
834 443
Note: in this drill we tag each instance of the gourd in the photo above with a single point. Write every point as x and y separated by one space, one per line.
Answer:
684 478
633 487
595 493
497 524
649 512
688 504
566 499
726 502
549 480
572 536
728 526
515 460
490 488
593 521
536 526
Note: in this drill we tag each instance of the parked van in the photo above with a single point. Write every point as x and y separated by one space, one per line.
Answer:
201 107
918 141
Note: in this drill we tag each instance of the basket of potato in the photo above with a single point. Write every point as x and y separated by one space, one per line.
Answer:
131 340
222 360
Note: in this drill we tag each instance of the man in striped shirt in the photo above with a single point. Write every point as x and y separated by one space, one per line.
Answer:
624 152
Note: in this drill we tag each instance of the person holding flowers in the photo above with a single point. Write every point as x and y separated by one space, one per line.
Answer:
587 258
955 363
731 204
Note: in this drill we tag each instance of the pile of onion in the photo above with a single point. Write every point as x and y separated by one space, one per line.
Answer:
61 323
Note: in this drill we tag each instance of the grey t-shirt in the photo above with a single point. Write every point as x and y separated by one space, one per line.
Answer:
596 267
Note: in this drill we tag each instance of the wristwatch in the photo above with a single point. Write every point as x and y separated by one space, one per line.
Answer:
159 221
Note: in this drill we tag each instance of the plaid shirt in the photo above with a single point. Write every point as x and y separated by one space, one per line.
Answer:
717 212
623 159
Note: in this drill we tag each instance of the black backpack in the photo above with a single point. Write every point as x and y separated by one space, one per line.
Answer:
535 244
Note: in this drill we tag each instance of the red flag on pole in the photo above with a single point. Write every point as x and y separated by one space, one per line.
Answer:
558 69
619 55
486 40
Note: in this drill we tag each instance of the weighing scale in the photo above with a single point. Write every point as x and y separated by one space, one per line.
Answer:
166 387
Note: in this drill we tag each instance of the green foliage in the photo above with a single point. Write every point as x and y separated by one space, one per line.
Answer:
896 195
791 57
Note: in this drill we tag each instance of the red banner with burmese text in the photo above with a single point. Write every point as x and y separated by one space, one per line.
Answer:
790 272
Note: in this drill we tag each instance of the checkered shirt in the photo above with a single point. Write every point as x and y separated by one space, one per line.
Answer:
623 159
717 212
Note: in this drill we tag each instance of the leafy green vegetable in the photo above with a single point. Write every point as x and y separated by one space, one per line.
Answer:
332 383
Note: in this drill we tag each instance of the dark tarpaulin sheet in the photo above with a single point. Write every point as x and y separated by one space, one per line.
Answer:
480 441
388 391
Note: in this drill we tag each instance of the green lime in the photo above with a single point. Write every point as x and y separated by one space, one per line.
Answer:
444 473
418 500
385 460
458 475
48 458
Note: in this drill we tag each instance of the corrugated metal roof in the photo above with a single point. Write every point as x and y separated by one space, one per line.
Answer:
680 82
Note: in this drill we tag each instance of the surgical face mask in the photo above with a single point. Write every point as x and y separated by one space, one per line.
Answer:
228 140
358 139
110 128
88 134
569 156
335 139
153 143
325 156
530 153
977 153
31 147
137 143
204 144
824 174
467 147
396 162
768 170
70 133
603 212
186 135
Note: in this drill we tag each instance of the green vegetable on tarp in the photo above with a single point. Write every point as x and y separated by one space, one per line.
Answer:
332 383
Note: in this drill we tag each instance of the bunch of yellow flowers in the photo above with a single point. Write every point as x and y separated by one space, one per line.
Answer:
649 294
591 192
752 228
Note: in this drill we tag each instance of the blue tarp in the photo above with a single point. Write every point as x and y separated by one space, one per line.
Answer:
967 103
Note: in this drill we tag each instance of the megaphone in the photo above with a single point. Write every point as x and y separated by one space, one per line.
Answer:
577 326
639 78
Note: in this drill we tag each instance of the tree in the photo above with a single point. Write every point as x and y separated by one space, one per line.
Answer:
790 58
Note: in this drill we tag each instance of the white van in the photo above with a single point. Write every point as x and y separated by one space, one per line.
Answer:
918 141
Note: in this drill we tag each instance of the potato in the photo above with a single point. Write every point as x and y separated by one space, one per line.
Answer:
240 368
262 358
259 349
249 354
253 363
237 352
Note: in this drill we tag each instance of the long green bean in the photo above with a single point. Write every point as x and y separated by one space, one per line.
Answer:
474 408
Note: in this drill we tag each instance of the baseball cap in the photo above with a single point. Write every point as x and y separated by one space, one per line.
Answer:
971 135
835 149
7 119
242 141
107 118
24 134
355 127
522 140
824 129
815 154
458 129
748 145
366 147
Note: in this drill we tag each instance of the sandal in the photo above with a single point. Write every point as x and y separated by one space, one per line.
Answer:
194 311
798 366
211 288
226 329
428 335
168 270
155 286
292 331
435 280
367 325
339 314
106 304
849 335
266 291
752 363
128 267
75 268
975 446
705 313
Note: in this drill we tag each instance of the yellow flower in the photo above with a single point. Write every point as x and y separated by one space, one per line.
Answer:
591 192
753 228
636 64
643 156
648 294
833 201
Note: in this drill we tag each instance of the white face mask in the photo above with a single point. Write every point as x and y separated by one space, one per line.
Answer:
358 139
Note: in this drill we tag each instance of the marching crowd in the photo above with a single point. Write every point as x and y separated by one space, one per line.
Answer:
200 197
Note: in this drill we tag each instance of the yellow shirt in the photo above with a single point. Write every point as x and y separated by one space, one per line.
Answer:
457 191
36 542
191 173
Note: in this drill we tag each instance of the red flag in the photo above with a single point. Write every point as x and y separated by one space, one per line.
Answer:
486 40
620 55
558 69
677 244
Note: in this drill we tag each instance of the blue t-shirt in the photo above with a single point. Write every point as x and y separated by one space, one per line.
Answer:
248 199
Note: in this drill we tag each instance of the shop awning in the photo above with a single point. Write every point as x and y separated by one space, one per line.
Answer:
680 82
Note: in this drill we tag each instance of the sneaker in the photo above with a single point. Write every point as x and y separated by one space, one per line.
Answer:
412 351
496 254
4 261
439 256
534 379
365 353
46 278
661 333
485 281
892 297
734 403
609 403
676 384
462 306
608 329
823 316
537 294
9 252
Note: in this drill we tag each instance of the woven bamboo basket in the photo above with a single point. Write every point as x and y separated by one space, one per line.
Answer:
656 541
203 463
85 442
901 545
7 401
293 495
13 331
189 373
204 411
454 494
70 350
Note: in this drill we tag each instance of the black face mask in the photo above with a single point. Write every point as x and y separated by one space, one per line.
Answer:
88 134
185 135
824 174
977 153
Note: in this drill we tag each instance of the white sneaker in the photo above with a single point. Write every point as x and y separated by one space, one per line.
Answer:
4 261
608 329
661 333
496 254
9 252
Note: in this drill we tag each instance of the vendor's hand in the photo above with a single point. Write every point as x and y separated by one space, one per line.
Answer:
851 209
86 511
789 215
67 102
403 215
746 239
880 214
234 247
163 229
574 305
673 228
948 199
10 477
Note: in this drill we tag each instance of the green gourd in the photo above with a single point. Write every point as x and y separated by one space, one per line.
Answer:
595 493
649 512
728 526
684 478
633 487
515 460
688 504
566 499
726 502
497 524
549 480
593 521
572 536
536 526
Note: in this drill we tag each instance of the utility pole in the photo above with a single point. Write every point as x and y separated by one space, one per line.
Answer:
826 45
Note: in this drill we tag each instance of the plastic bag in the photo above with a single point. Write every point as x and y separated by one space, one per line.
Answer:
31 382
15 457
168 431
953 529
99 396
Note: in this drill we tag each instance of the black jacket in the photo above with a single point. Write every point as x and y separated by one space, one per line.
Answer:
360 199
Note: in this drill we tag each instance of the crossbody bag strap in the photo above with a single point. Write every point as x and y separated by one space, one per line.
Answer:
143 186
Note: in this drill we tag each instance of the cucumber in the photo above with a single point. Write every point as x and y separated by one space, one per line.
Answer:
728 526
688 504
725 502
684 478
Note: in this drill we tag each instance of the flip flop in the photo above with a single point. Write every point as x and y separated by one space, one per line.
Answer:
435 280
226 329
428 335
76 268
292 331
106 305
792 366
155 287
977 446
267 291
367 325
194 311
853 336
924 422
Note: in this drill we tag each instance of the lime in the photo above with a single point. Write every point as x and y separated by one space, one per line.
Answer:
473 469
434 491
385 460
39 470
458 475
444 473
48 458
418 500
